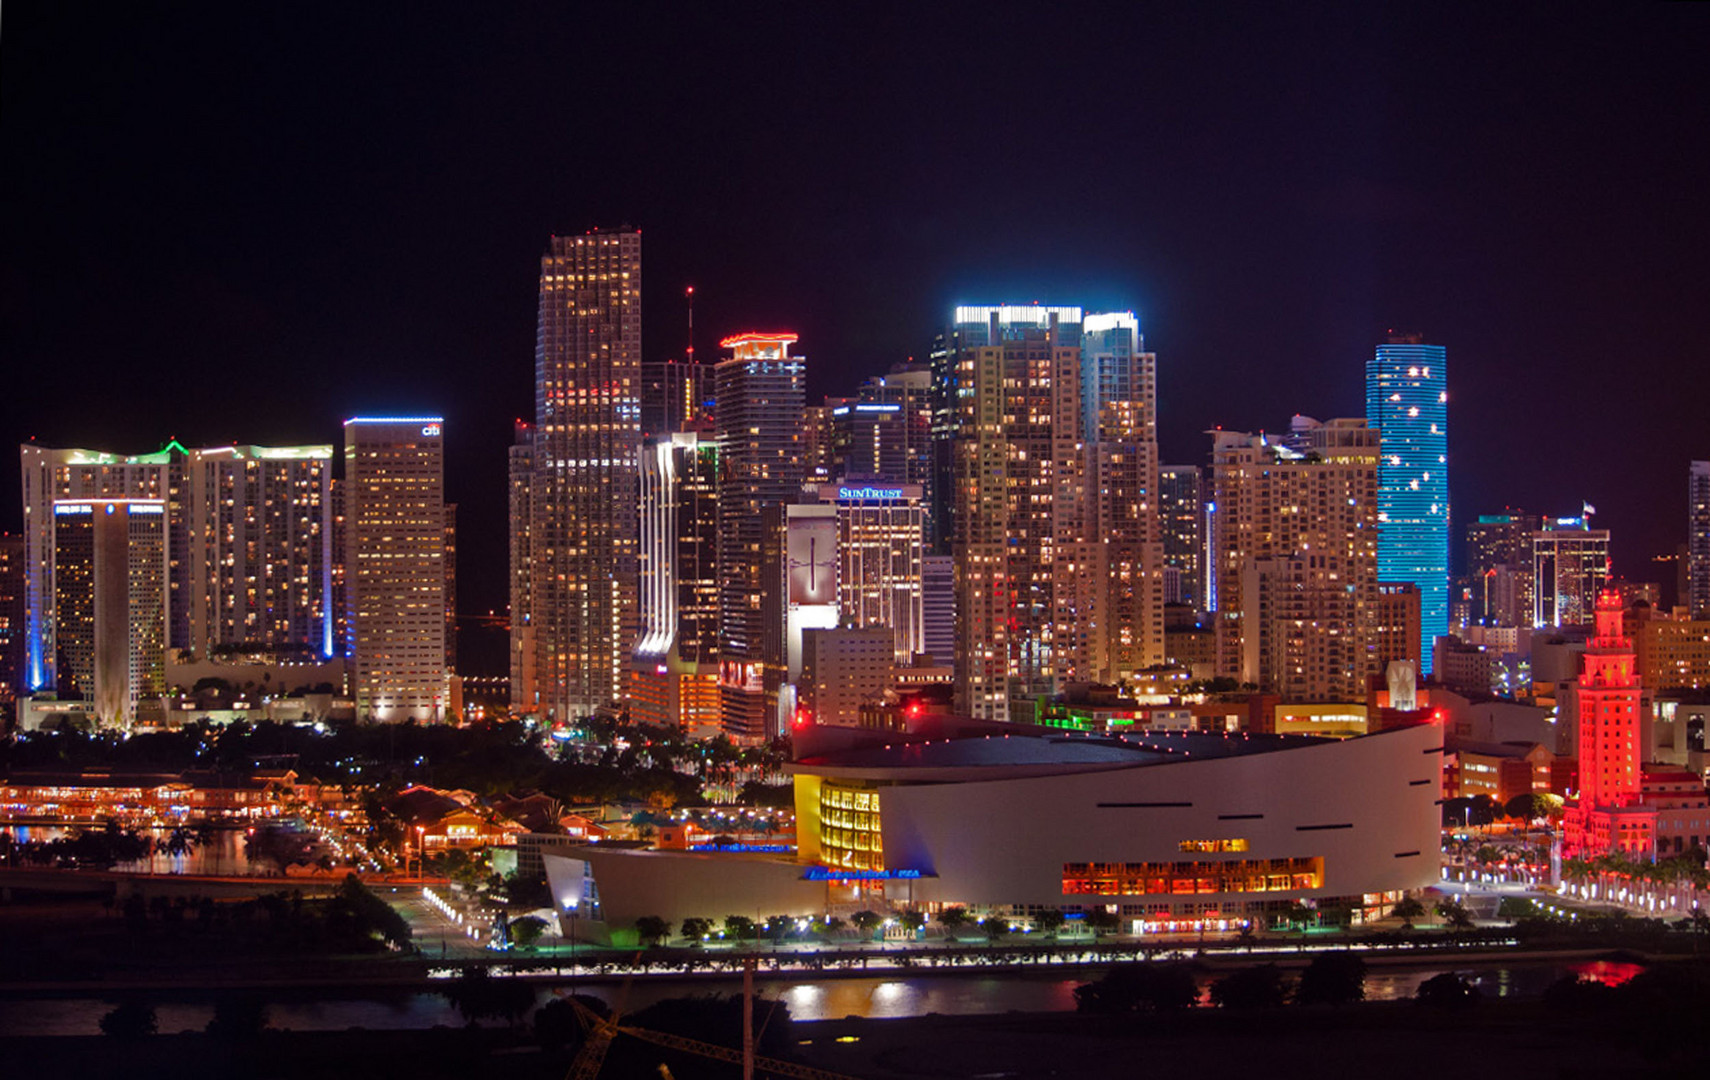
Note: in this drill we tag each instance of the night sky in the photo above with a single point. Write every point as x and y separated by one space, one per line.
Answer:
248 222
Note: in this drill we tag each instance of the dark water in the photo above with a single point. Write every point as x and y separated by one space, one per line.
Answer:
808 999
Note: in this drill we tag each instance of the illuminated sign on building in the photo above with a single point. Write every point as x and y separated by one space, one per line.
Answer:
821 873
869 493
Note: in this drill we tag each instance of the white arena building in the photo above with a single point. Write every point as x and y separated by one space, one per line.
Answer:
1166 830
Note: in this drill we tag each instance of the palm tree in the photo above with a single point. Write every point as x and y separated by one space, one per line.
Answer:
867 922
179 843
208 838
954 918
1454 914
1407 909
1049 921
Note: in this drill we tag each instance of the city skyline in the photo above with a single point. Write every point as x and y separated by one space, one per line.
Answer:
1541 227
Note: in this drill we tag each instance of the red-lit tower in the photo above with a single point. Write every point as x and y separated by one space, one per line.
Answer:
1608 714
1641 811
1610 813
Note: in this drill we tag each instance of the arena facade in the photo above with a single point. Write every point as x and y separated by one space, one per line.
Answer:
1169 831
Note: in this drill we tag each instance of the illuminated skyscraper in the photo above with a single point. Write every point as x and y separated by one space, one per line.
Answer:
819 441
881 543
1296 559
1698 539
11 616
676 393
1499 568
68 474
938 608
1020 503
761 393
945 403
525 693
451 595
674 680
1570 564
110 602
394 490
1056 474
1119 396
582 539
257 556
884 433
1181 516
1407 401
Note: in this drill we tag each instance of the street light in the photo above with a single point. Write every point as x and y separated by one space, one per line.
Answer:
421 874
572 904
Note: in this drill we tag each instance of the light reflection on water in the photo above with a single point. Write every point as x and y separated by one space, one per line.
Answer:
825 999
224 856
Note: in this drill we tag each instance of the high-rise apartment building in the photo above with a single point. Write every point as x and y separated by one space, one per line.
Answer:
819 441
49 475
1070 465
1570 564
525 690
1181 519
1698 539
761 393
1499 568
1055 451
938 608
1407 402
1395 625
11 616
1119 417
1021 545
394 491
674 679
945 402
180 569
583 532
248 542
340 579
110 603
451 595
1296 560
257 552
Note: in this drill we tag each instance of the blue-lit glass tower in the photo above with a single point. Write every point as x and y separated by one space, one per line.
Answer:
1407 400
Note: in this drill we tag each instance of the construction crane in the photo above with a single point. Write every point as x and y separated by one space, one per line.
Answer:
601 1030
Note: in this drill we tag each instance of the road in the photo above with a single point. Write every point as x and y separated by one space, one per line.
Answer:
430 930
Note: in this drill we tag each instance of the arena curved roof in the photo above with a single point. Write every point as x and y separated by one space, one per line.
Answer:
1046 754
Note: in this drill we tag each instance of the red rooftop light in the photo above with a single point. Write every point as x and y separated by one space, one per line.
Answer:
756 337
